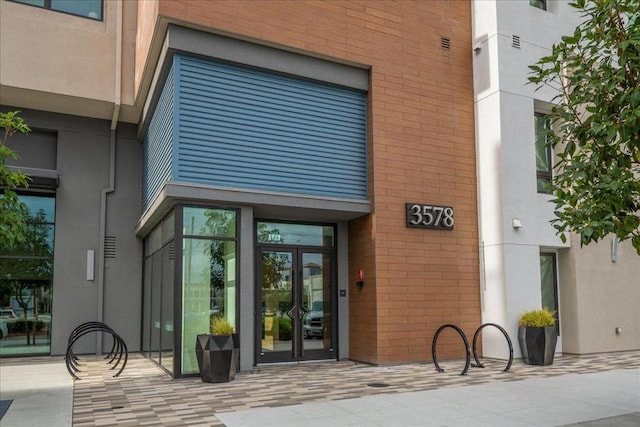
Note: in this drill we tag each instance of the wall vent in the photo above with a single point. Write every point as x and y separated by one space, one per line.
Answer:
109 247
445 43
515 41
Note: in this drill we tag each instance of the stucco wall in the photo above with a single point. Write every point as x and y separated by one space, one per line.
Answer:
508 37
600 295
65 63
82 162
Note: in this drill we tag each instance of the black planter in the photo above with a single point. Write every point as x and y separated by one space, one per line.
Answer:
538 345
218 357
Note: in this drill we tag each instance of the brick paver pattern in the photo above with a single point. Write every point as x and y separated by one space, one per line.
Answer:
145 395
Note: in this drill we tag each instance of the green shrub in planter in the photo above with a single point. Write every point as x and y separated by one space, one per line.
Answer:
219 325
537 336
539 318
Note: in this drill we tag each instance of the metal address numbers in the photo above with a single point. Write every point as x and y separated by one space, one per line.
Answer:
429 216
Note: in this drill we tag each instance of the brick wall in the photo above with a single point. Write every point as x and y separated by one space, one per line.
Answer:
421 149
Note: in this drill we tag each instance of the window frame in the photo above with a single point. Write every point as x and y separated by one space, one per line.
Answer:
538 4
47 5
541 174
32 256
554 267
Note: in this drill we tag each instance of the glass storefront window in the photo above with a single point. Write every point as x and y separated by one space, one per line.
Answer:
166 310
208 275
295 234
549 284
158 288
209 222
208 282
26 278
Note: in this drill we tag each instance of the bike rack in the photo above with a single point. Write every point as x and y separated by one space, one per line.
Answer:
475 339
478 364
118 349
466 346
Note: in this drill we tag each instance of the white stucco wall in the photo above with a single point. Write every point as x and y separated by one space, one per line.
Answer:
506 158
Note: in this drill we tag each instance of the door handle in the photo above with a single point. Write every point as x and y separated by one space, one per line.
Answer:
303 313
291 313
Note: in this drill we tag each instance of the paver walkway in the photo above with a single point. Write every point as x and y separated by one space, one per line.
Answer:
145 395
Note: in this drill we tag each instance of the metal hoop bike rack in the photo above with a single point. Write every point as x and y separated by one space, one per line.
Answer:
117 352
478 364
466 347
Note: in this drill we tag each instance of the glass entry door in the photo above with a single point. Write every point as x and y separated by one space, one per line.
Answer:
295 296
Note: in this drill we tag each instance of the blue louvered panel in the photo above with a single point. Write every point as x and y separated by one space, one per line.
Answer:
158 144
247 128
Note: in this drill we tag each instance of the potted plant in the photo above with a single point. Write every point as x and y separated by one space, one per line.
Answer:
538 336
218 352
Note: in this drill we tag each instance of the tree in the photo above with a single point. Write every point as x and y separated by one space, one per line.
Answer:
596 122
12 212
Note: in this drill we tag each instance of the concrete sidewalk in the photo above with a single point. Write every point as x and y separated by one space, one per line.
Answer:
588 391
41 391
612 398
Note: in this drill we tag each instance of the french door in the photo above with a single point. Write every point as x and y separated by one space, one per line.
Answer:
296 304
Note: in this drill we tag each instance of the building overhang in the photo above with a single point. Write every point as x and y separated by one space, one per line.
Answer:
66 104
265 204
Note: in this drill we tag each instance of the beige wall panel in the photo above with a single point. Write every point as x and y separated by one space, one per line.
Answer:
56 52
607 296
53 55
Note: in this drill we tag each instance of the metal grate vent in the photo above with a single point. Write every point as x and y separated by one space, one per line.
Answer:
445 43
110 247
515 41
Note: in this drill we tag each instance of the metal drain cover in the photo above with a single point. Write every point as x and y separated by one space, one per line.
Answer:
377 385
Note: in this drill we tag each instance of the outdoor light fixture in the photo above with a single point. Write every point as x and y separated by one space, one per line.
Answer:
515 223
90 263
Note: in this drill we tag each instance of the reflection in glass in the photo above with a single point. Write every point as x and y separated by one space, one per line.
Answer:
157 323
295 234
316 293
540 4
146 307
156 300
26 291
36 204
277 300
166 313
548 284
39 3
26 296
88 8
209 222
543 152
208 289
207 284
